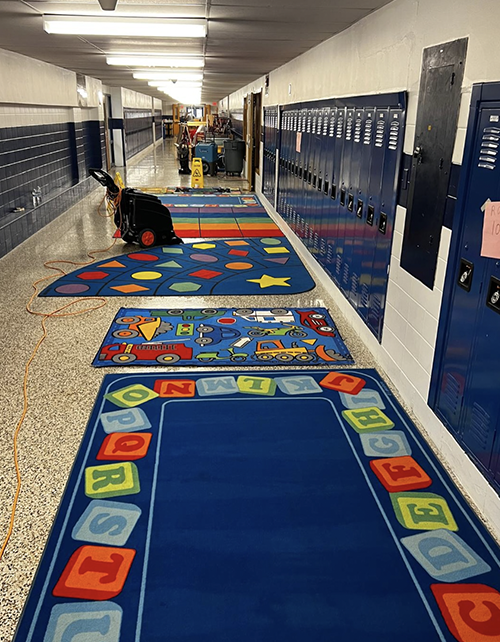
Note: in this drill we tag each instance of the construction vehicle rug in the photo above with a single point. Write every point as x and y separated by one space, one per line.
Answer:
291 506
222 337
241 267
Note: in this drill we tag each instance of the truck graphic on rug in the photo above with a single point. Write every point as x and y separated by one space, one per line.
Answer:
164 353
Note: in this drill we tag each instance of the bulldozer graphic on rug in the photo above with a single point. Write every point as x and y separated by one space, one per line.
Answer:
273 349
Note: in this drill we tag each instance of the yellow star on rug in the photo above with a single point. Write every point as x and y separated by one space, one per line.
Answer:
267 281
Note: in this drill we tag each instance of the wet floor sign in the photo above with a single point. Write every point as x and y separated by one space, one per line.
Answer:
196 173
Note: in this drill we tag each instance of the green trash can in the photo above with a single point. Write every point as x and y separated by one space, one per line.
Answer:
234 152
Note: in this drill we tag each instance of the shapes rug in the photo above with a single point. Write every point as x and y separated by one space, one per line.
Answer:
242 267
281 507
148 337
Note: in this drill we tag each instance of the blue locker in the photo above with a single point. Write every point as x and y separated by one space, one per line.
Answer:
295 163
385 223
361 206
334 215
323 185
370 231
328 155
343 213
468 399
314 223
352 221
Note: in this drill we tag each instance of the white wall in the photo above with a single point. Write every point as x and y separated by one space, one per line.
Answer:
383 53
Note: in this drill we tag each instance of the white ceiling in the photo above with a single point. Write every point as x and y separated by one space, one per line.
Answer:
246 38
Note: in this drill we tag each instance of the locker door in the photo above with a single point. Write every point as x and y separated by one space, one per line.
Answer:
314 224
468 400
352 223
385 223
323 186
297 155
281 177
343 213
326 213
307 177
334 216
372 215
361 208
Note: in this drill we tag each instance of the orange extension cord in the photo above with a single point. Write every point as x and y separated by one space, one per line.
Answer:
112 207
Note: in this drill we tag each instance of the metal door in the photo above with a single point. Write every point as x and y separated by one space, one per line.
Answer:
343 213
326 209
468 399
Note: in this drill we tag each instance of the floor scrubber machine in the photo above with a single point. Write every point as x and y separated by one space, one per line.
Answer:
141 218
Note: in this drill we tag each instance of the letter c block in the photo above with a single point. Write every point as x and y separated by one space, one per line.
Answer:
471 611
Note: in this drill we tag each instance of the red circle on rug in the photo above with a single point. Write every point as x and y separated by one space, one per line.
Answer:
142 256
93 276
226 320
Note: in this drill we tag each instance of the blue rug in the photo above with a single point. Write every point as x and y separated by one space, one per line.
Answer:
283 507
222 337
241 266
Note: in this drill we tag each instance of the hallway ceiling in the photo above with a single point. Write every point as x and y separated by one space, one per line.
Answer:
246 38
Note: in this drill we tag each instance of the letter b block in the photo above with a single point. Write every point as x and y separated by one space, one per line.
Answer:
95 573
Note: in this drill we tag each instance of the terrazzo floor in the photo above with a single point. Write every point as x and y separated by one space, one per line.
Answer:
62 384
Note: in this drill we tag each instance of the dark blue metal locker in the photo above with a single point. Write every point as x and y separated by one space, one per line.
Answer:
468 398
361 206
315 221
334 215
323 186
379 145
343 213
352 222
326 209
385 223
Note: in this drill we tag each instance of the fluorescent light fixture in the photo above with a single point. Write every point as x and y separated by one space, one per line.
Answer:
180 84
166 75
186 97
121 27
154 61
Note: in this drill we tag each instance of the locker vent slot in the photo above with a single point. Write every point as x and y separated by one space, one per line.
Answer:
325 126
331 131
345 274
314 124
367 138
338 264
480 424
354 284
340 126
489 148
379 133
394 135
376 308
308 123
450 398
357 130
365 296
319 128
348 128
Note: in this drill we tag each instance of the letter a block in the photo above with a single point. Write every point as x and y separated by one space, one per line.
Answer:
175 388
95 573
256 385
131 396
366 420
471 611
91 621
119 446
112 480
400 473
342 383
423 511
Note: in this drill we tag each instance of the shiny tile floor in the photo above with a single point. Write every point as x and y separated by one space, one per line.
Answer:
62 385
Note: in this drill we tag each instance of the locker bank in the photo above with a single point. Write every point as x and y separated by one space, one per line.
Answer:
372 138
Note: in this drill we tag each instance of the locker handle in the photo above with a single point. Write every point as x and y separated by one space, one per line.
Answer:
350 202
465 274
359 208
334 192
493 296
342 197
314 180
326 187
371 214
320 184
